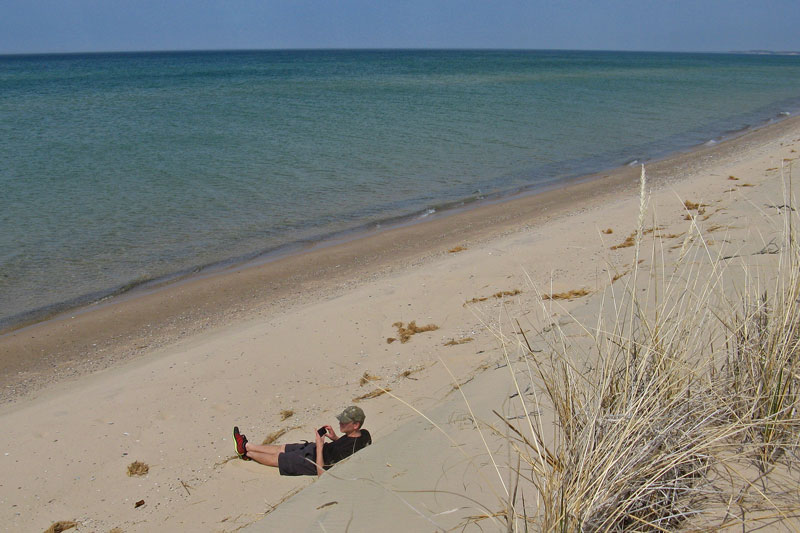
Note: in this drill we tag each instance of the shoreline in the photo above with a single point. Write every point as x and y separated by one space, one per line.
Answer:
289 365
141 286
100 335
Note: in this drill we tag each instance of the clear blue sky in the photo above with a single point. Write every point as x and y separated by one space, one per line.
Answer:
30 26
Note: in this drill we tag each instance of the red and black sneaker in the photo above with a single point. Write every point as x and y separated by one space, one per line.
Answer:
241 443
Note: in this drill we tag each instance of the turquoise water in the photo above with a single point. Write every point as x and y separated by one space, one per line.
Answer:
122 168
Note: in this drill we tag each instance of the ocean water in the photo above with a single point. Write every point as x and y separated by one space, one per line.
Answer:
117 169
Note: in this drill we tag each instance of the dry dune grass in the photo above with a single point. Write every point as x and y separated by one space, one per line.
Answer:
138 468
404 333
457 249
678 414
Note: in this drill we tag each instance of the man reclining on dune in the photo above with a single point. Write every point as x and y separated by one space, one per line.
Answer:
310 458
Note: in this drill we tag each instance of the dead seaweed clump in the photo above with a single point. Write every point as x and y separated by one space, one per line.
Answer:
457 249
138 468
569 295
286 413
618 275
693 206
454 342
275 435
407 373
627 243
499 294
366 378
503 294
370 395
607 231
61 525
404 333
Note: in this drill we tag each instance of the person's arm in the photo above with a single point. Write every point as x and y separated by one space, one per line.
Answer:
320 462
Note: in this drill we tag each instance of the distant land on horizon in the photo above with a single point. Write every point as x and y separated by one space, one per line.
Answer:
770 52
195 50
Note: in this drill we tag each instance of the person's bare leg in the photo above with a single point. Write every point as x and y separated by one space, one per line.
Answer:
265 454
265 448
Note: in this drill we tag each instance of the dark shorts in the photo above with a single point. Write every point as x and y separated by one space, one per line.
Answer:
298 460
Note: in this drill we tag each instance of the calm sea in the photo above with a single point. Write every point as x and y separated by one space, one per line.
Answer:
116 169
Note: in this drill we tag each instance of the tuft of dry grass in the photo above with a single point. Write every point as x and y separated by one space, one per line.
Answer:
454 342
138 468
286 413
404 333
745 185
569 295
61 525
457 249
608 231
370 395
732 178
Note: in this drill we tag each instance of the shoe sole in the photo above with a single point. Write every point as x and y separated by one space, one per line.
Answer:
236 442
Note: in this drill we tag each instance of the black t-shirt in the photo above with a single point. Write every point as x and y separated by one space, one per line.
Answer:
333 452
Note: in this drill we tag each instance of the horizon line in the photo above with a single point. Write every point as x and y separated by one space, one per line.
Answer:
415 49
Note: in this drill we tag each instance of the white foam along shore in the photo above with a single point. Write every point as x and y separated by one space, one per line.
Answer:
65 450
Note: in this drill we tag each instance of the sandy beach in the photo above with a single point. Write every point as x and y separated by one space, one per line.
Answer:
161 377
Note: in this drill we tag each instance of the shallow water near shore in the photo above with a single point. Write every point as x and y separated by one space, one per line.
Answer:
123 168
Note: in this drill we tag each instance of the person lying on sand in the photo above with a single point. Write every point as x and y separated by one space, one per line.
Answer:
310 458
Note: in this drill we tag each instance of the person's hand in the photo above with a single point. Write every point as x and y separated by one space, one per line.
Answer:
318 439
331 433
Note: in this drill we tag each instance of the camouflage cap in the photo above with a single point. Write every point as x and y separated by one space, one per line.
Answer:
351 414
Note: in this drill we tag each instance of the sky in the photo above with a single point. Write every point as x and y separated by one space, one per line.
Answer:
44 26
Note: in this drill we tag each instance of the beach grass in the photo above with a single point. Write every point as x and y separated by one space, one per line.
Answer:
680 407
